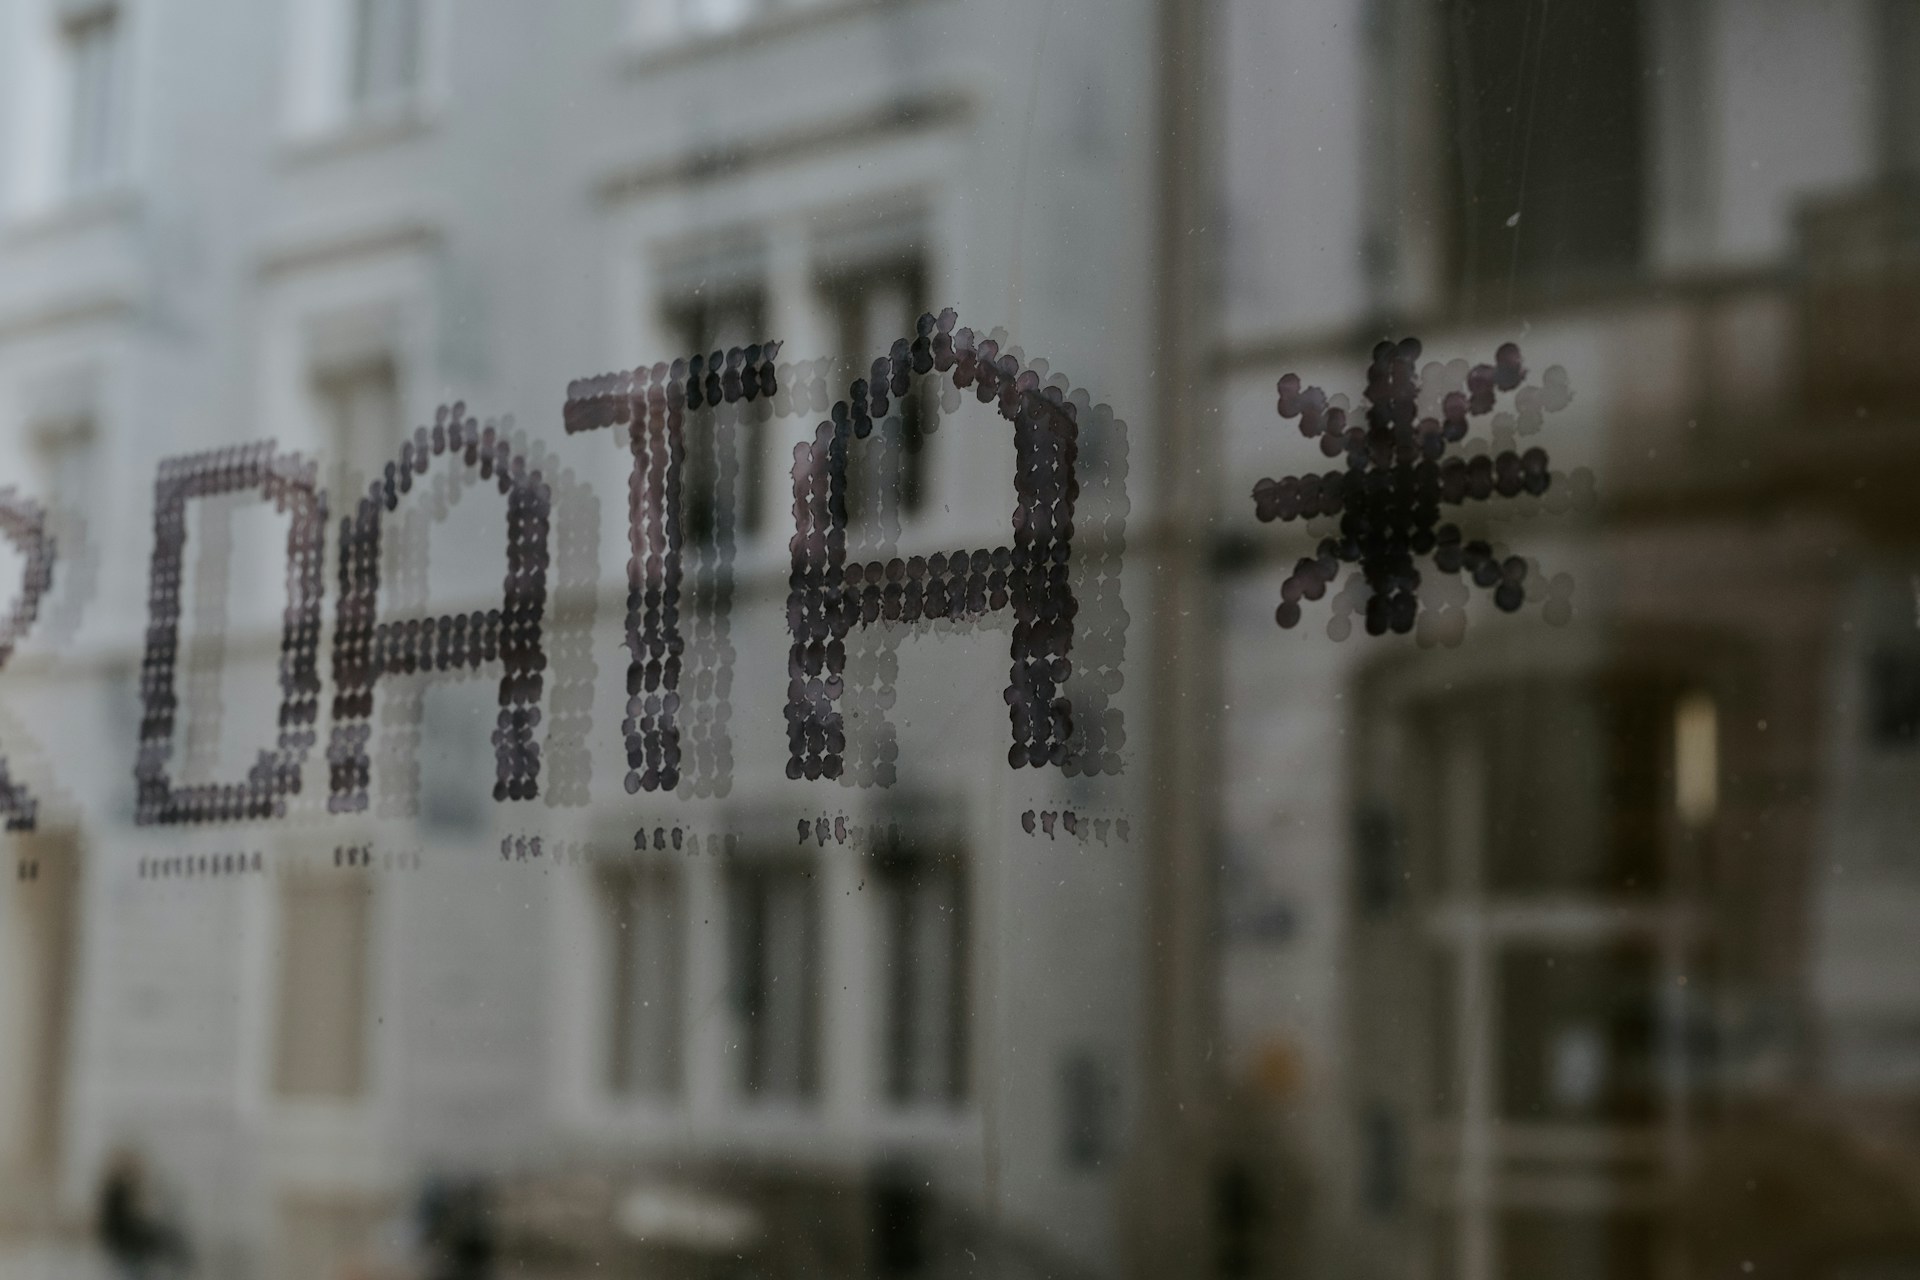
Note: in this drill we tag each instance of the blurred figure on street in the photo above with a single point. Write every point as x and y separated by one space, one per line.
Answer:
134 1229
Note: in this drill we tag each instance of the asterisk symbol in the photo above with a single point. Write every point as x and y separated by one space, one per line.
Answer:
1397 477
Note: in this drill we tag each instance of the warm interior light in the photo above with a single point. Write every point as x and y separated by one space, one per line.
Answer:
1696 759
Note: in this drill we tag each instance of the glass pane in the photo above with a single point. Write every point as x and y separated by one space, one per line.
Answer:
936 638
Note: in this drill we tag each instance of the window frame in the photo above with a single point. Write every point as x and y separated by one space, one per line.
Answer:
691 315
99 28
848 286
323 110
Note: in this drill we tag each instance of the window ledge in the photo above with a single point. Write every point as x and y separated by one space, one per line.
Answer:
367 129
647 54
101 206
765 1125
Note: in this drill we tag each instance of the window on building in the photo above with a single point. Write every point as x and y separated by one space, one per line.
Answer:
359 402
773 919
1441 1031
1089 1103
1893 697
723 479
1544 150
1379 857
36 993
1383 1160
60 413
1594 1245
90 40
902 1211
320 1049
455 760
1552 787
1556 825
873 308
645 932
63 448
717 15
923 939
1578 1037
1696 759
384 50
60 419
1238 1217
680 19
1899 41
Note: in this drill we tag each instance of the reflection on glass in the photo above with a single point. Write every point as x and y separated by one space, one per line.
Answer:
1577 941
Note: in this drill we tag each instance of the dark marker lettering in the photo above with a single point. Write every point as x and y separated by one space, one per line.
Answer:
652 404
24 524
287 481
364 648
829 597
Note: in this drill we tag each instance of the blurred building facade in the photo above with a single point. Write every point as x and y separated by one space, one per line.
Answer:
1575 950
1580 951
332 1045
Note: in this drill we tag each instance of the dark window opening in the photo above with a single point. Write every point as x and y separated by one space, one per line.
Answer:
385 49
1087 1104
902 1213
1380 859
774 935
1580 1039
1544 145
647 940
1237 1218
1899 38
924 942
1573 780
874 308
1383 1162
1893 699
724 471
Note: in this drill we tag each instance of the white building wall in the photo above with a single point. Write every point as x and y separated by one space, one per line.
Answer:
510 216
